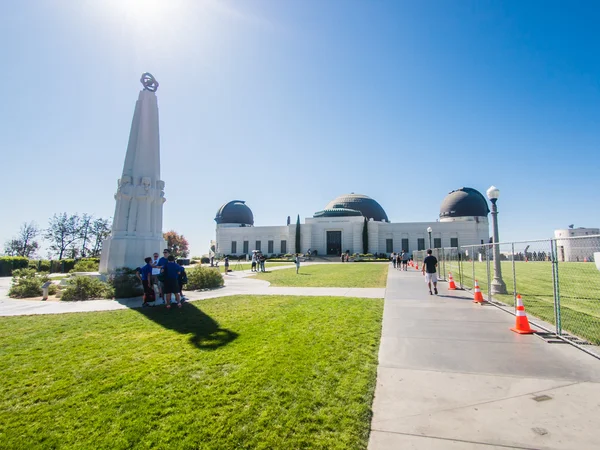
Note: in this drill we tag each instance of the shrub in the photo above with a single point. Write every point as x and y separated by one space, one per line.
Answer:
203 278
86 288
205 260
27 283
125 283
86 265
10 263
52 289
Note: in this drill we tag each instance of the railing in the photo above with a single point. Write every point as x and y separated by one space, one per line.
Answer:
558 280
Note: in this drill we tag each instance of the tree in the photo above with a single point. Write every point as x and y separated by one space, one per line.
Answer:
24 244
86 224
100 230
365 236
298 234
63 232
177 243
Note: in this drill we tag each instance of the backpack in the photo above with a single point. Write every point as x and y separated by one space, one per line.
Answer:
162 276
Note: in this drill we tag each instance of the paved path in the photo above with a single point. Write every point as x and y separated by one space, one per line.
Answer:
452 376
236 283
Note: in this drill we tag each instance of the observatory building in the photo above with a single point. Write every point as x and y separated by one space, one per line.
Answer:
337 228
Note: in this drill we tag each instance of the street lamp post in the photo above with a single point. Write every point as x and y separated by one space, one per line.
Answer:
429 230
497 286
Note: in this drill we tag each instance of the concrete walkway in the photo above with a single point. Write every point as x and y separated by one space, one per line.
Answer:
236 283
452 376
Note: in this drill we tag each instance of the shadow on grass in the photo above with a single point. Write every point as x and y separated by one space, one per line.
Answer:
206 334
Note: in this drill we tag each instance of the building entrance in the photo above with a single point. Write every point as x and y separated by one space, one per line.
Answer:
334 243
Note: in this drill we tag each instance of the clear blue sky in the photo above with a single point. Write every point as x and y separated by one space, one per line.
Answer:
288 104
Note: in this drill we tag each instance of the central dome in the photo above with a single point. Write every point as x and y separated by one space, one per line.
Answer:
365 205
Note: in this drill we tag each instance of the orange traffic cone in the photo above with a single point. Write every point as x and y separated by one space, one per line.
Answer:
451 284
477 297
417 266
522 325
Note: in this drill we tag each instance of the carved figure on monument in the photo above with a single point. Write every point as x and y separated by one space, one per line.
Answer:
157 206
123 197
144 196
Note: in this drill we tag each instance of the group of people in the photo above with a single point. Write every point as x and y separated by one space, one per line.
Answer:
258 261
345 256
429 269
164 273
400 260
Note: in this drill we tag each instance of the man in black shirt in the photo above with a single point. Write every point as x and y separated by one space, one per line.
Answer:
429 270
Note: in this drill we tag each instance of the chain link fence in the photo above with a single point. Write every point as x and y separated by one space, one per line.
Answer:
558 280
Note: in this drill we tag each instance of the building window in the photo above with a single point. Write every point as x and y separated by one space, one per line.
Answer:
453 242
421 244
270 247
389 245
283 246
257 246
437 242
233 247
246 247
405 245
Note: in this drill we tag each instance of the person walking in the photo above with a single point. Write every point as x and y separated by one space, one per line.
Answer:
261 262
226 265
297 261
146 276
430 271
405 258
171 272
160 265
394 259
254 261
182 279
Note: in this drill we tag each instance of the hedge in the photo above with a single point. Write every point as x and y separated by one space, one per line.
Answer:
10 263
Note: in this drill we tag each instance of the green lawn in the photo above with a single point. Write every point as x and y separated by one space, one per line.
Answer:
579 288
235 265
236 372
330 275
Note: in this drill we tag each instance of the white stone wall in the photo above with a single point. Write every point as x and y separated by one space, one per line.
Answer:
575 246
314 234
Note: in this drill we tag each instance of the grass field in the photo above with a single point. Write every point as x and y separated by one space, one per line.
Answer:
234 265
579 289
330 275
237 372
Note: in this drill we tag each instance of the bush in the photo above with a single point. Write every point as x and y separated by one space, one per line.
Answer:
86 265
205 260
203 278
86 288
126 284
10 263
52 289
27 283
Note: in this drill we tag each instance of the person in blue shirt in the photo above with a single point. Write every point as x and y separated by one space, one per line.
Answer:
171 284
146 276
162 262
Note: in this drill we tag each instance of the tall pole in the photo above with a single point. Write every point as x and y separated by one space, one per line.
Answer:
429 231
497 286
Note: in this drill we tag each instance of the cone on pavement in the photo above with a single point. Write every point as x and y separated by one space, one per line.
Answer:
417 265
522 323
451 284
477 296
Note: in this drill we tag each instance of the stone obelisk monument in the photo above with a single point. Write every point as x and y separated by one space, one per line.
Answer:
137 223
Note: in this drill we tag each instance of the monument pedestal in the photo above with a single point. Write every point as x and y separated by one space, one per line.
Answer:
128 251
